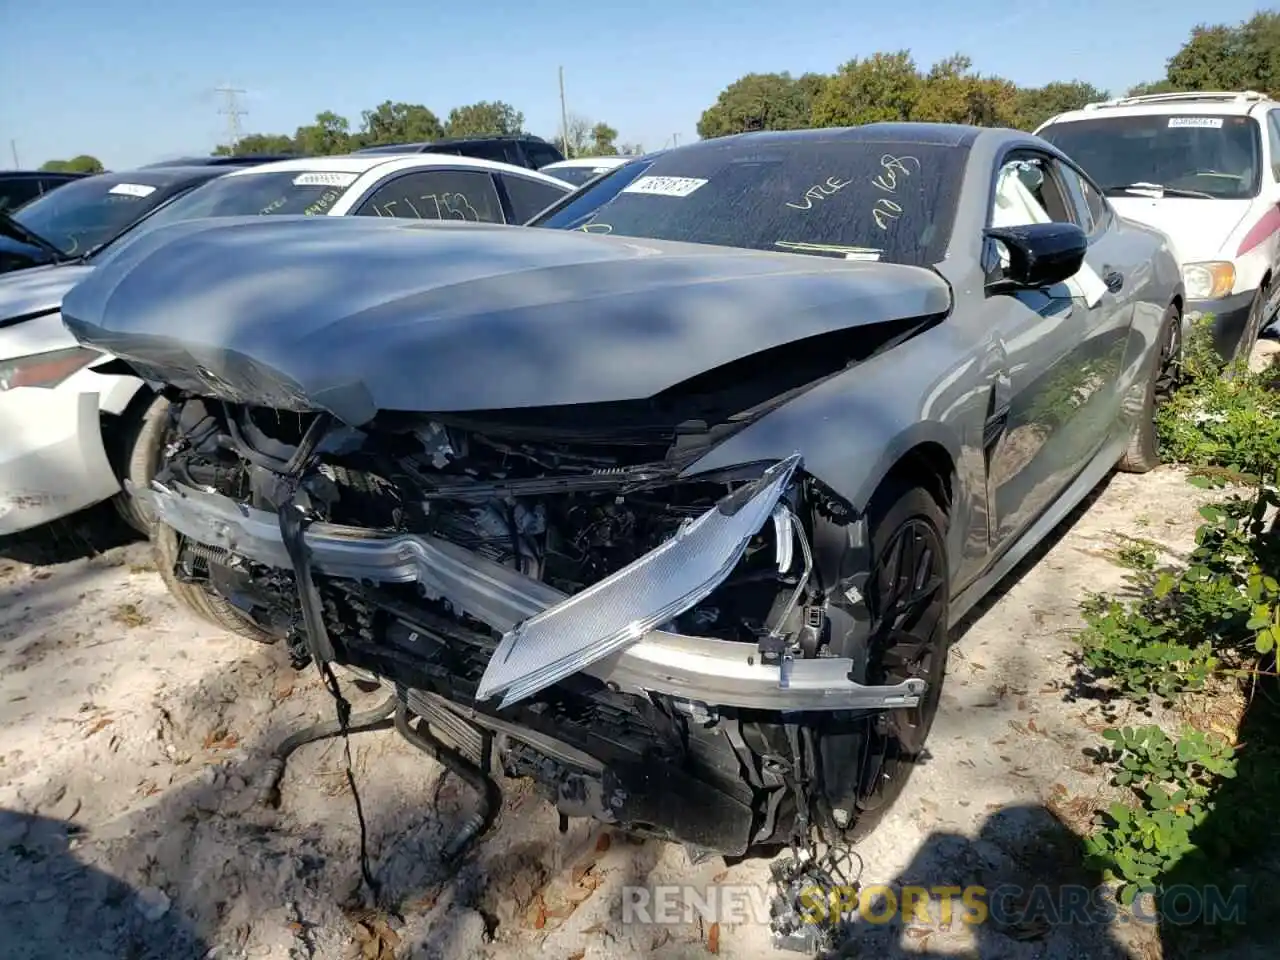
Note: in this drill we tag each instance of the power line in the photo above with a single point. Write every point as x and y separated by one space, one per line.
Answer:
232 110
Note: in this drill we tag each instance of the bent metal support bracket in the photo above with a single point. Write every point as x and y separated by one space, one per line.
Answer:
701 669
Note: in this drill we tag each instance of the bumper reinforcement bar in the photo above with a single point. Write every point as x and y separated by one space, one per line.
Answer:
700 669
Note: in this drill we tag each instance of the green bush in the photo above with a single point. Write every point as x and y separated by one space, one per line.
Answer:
1219 615
1170 784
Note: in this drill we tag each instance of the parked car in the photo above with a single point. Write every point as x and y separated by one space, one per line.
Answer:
248 160
1205 169
69 223
580 170
524 150
69 435
21 186
673 510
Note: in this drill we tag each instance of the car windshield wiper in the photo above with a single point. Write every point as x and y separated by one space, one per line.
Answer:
1160 187
19 232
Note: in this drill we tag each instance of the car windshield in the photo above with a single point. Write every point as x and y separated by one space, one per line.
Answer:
1209 157
309 193
854 198
82 215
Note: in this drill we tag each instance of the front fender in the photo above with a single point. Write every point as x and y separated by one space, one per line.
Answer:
852 428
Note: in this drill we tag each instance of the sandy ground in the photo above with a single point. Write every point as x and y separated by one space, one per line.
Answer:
132 733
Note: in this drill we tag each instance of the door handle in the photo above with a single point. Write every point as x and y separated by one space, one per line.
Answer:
1114 279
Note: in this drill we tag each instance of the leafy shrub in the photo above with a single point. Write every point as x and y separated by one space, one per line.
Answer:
1220 614
1170 784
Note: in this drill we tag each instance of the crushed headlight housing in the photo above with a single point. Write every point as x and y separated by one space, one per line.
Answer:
1211 280
623 607
46 369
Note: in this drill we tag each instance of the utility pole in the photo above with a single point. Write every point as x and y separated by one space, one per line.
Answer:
13 148
564 117
232 110
675 140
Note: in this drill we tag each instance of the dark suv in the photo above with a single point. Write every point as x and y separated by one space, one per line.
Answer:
19 186
524 150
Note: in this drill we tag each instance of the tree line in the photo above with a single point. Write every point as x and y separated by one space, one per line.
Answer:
883 86
390 122
891 87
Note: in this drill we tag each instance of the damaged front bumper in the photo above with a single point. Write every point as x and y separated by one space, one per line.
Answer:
607 631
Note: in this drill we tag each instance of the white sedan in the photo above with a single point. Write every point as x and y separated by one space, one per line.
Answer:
70 435
581 170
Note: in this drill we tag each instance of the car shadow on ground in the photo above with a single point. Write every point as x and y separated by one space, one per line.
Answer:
85 534
1017 889
53 907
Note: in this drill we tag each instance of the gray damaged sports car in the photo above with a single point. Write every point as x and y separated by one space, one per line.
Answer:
670 500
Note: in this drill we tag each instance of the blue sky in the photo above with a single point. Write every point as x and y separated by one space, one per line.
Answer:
131 81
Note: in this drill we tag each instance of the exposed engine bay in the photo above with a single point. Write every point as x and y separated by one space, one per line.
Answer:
541 512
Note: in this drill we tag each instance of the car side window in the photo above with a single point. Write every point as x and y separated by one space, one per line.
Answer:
1028 191
15 193
436 195
529 197
1273 137
540 155
1092 212
498 151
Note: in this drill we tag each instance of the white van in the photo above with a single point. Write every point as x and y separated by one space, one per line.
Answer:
1205 169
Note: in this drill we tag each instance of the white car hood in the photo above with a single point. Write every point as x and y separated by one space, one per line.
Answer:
38 290
1198 229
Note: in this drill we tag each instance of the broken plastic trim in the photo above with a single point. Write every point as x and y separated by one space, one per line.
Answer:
624 606
702 669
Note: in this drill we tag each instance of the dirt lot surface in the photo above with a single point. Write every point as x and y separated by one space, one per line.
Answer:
133 733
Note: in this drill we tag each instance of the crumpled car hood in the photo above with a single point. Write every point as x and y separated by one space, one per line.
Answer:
355 315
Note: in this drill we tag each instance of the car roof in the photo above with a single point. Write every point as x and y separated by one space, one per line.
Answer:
163 176
1228 102
42 174
940 134
217 161
606 161
363 163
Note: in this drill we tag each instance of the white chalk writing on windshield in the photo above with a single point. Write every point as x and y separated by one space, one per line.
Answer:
820 191
884 210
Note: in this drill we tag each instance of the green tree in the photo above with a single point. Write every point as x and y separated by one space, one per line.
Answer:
573 139
602 140
1243 57
1152 86
952 93
762 101
330 134
488 118
1035 105
885 86
254 143
84 163
398 123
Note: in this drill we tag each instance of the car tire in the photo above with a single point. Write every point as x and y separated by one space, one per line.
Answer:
893 742
201 602
1143 452
1252 330
141 442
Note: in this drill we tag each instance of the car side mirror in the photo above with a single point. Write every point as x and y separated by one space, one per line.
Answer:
1040 254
